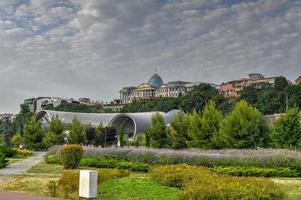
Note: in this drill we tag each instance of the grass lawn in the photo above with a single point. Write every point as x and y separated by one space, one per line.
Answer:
135 187
44 168
14 160
292 187
27 184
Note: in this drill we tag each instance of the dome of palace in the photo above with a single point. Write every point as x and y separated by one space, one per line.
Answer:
155 80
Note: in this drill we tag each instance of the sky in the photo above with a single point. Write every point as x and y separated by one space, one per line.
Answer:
92 48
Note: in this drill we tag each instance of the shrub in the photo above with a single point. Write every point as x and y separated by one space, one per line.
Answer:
53 159
71 156
24 152
264 158
69 183
108 174
113 163
52 188
256 171
8 151
16 140
3 161
199 183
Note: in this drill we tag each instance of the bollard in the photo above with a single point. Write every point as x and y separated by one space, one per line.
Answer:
88 184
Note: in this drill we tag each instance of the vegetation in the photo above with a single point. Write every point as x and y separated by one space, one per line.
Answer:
286 131
76 107
157 132
55 132
179 131
198 183
71 156
34 134
77 132
3 160
256 171
245 127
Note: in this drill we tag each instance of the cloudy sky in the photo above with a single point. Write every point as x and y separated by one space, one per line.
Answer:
91 48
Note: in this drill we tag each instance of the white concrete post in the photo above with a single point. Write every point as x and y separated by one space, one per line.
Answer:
88 184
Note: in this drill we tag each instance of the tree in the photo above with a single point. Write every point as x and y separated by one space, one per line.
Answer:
16 140
271 101
194 130
286 131
22 118
121 137
197 98
77 132
90 134
250 94
55 134
179 131
139 140
245 127
280 83
157 132
34 134
210 127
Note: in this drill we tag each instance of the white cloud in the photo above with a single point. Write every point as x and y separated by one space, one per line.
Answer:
92 48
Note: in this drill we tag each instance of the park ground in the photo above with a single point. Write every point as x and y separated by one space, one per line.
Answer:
137 186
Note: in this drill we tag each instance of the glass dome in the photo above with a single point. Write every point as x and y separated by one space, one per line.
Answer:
155 80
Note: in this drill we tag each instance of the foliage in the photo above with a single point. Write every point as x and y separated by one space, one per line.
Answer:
286 131
179 131
197 98
138 187
24 152
280 83
256 171
139 140
22 118
159 104
199 183
55 134
77 132
34 134
8 151
114 163
53 159
205 129
269 158
250 94
69 183
245 127
52 188
271 101
121 137
3 161
157 132
76 107
71 156
16 140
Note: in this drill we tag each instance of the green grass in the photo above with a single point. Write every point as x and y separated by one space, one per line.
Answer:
27 184
136 187
14 160
292 187
44 168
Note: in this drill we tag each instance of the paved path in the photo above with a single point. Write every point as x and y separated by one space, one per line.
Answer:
19 196
20 168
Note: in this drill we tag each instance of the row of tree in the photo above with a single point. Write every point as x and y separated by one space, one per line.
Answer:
268 99
243 127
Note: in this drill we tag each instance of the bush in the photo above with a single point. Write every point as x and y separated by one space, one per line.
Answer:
53 159
71 156
263 158
24 152
8 151
52 188
108 174
69 183
3 161
198 183
255 171
113 163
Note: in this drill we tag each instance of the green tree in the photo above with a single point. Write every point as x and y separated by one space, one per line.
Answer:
57 128
34 134
250 94
157 132
22 118
245 127
179 131
280 83
194 130
271 101
121 137
77 132
139 140
197 98
286 131
16 140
